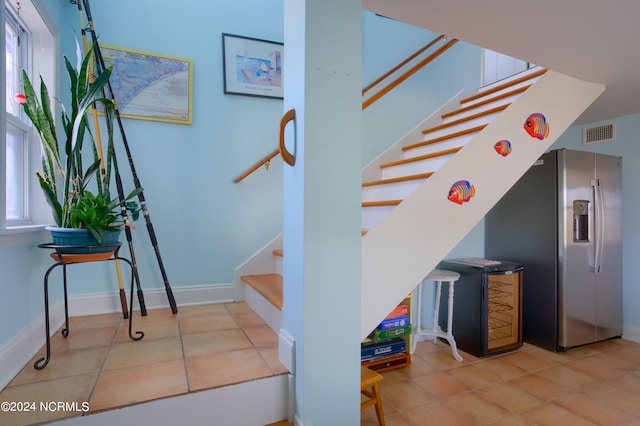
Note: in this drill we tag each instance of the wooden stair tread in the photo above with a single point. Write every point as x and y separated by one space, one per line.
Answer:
397 179
469 118
486 101
504 86
421 157
445 137
381 203
267 285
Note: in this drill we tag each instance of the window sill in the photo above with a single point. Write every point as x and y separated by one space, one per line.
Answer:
13 236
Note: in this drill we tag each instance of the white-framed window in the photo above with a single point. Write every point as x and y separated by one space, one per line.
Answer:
31 44
17 41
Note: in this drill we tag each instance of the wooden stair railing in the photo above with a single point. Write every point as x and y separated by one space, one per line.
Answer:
401 64
264 162
379 94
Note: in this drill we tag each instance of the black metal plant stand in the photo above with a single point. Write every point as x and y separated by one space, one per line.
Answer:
108 253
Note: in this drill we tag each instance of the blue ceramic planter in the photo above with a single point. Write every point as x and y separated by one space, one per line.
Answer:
81 237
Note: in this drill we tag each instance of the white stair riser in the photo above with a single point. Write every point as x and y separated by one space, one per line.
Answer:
390 191
415 167
500 92
371 216
439 146
486 119
279 267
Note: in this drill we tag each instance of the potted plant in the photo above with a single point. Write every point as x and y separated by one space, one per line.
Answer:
64 179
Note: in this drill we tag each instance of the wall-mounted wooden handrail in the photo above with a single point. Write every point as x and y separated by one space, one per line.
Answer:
408 74
402 64
288 157
266 160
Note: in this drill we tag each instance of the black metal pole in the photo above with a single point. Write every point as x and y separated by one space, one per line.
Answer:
136 181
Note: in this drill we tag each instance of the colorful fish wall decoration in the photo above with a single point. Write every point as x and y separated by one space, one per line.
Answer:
461 192
503 147
536 126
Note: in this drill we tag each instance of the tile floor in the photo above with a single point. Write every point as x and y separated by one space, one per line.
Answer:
598 384
202 347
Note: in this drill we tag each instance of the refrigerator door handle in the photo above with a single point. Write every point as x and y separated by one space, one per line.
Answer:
598 223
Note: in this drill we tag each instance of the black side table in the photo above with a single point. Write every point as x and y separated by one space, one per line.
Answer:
108 252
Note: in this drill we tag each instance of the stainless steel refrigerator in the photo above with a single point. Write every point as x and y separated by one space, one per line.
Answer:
563 221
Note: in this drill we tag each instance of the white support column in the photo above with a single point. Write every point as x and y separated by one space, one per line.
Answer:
322 240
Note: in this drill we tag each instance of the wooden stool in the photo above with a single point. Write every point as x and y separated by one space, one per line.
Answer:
369 387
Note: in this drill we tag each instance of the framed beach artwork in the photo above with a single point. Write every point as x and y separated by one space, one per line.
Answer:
150 86
252 67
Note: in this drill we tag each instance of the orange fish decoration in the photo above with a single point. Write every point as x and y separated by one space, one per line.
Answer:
461 192
537 126
503 147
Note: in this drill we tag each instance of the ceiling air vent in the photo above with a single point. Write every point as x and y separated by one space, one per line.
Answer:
603 133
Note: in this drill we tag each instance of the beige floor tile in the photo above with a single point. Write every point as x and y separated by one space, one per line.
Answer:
160 314
630 382
554 415
473 376
219 369
501 368
436 413
510 397
477 408
271 357
82 339
555 357
594 369
95 321
618 398
214 342
213 309
440 384
592 409
73 390
65 364
247 319
440 359
156 329
418 367
404 395
527 361
262 336
568 377
126 386
540 387
204 322
141 352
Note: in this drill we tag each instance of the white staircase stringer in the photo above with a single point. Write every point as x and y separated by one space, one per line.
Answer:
408 243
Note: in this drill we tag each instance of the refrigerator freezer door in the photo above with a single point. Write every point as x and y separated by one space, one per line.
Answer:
576 289
608 284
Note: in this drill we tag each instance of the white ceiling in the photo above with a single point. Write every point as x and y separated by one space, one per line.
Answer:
593 40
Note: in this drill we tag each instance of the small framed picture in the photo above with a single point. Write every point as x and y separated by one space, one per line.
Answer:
252 67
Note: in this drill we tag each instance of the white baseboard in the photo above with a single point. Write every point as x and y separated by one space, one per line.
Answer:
16 353
154 298
631 333
25 343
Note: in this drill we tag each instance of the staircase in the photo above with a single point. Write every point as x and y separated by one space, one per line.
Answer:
409 221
